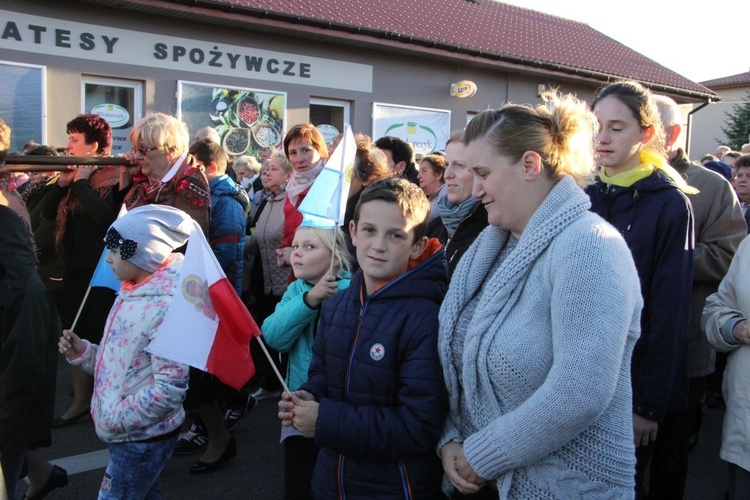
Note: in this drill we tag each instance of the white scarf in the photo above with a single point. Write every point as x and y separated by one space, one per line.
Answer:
301 181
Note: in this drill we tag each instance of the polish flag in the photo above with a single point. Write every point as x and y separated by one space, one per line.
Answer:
207 326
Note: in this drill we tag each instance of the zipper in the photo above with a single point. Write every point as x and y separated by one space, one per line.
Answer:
405 480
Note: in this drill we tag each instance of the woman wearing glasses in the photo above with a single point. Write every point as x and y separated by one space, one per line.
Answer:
163 172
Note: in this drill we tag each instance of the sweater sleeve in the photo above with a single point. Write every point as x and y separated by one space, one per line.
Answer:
662 349
589 349
289 320
724 305
413 424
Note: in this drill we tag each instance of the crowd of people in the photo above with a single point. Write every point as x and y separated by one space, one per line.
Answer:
532 312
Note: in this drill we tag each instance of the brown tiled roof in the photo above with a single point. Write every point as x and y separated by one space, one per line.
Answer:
484 29
728 82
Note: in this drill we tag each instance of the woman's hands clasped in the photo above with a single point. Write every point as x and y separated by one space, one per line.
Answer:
459 470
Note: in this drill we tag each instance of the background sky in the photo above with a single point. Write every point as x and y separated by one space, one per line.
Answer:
698 43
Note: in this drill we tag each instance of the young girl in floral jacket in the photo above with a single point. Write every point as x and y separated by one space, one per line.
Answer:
137 402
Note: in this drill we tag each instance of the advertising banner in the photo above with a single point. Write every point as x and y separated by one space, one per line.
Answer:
426 129
247 120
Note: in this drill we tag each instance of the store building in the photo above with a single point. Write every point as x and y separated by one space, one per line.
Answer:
254 68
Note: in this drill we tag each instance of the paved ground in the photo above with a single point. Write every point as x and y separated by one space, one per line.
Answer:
256 473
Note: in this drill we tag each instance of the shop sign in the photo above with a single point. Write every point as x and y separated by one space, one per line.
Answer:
329 132
58 37
116 116
426 129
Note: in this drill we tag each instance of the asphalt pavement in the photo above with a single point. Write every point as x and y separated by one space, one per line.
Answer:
257 471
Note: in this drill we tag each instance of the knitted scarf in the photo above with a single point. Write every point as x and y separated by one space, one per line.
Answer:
562 206
453 213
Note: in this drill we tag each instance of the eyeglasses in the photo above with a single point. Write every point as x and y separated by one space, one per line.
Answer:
143 151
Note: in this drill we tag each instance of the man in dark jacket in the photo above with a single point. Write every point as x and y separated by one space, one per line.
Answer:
400 157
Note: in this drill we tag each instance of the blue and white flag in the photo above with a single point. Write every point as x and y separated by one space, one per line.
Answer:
325 204
103 274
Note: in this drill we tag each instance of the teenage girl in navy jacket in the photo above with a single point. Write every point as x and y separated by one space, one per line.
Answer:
643 197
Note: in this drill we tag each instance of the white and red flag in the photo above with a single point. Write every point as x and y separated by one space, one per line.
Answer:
207 326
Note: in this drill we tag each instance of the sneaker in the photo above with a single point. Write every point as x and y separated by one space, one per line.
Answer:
262 394
232 416
192 441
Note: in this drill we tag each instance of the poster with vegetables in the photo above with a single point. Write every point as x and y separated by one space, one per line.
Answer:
247 120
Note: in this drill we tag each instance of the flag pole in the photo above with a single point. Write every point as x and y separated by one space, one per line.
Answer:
273 365
83 302
333 255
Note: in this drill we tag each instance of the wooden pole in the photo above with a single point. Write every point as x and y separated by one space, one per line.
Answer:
273 365
58 163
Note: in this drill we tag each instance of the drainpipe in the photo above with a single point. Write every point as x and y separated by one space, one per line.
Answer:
690 125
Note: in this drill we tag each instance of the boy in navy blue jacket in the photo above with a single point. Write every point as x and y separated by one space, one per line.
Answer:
375 401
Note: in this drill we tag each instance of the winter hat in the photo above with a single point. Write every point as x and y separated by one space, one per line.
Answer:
147 235
720 168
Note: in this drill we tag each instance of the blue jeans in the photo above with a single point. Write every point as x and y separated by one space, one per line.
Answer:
134 470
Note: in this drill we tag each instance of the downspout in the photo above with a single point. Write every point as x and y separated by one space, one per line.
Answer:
690 125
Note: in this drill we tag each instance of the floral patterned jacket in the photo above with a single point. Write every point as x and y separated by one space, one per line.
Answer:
137 396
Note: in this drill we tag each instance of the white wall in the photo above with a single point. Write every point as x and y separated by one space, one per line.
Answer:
706 134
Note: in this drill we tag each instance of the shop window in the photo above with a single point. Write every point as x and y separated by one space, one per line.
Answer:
118 102
23 103
329 116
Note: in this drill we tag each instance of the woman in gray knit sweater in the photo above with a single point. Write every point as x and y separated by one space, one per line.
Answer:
538 327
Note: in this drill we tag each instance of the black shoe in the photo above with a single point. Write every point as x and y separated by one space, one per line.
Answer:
233 415
65 422
193 441
204 467
58 477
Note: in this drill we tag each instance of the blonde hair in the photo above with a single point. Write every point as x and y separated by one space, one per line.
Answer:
248 163
161 131
335 242
561 131
285 164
